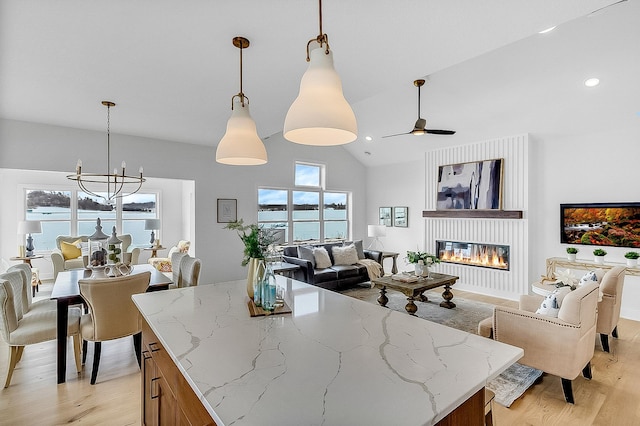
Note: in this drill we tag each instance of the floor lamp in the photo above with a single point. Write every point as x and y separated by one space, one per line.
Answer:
375 232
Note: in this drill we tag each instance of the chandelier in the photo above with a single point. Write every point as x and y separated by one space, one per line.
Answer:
117 185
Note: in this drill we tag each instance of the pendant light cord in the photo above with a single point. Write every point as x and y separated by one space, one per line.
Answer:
241 94
322 38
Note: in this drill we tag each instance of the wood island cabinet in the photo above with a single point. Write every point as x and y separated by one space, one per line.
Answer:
167 398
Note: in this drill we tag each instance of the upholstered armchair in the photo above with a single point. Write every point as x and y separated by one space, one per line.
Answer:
71 252
561 346
68 254
609 306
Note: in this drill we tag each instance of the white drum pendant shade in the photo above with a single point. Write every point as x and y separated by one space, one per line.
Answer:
320 115
240 145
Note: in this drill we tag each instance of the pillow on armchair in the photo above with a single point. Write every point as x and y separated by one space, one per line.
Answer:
70 250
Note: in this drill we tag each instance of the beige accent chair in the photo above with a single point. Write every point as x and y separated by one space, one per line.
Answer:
189 271
112 312
609 307
20 326
130 254
560 346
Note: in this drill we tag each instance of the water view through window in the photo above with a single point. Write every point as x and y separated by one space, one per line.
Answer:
59 216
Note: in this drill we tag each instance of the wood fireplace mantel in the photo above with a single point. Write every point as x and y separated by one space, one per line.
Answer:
474 214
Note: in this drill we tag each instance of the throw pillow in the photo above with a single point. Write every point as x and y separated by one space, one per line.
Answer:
70 250
359 248
346 255
549 306
322 258
306 253
183 246
587 278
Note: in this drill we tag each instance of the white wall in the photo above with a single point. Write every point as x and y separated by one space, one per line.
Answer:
32 146
562 169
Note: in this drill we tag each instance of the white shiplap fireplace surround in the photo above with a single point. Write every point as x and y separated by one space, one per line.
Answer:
512 232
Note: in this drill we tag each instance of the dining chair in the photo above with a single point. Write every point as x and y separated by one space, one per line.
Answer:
189 271
28 305
20 328
112 314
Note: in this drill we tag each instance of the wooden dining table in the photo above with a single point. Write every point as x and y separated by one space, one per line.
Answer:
66 291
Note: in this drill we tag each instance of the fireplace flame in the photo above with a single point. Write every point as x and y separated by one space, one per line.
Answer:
477 255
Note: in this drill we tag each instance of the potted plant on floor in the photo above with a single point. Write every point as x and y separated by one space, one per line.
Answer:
632 258
599 255
571 253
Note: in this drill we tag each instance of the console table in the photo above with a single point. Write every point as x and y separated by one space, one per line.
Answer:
554 262
329 361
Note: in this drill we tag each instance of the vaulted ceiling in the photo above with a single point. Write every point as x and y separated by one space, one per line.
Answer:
172 69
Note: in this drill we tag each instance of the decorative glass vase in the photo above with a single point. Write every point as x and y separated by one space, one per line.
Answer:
269 289
258 278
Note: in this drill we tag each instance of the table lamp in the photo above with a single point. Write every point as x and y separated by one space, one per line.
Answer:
152 225
375 232
29 227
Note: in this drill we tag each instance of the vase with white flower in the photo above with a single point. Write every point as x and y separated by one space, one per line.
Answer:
422 261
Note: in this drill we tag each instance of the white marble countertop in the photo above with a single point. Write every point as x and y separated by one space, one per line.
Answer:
335 360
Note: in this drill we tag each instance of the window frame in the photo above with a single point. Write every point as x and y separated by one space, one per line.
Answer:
321 219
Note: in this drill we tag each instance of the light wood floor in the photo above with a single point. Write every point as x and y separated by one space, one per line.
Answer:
611 398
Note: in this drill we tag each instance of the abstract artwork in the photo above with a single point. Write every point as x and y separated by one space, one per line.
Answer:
471 186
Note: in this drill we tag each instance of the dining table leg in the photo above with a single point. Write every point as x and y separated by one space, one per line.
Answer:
63 319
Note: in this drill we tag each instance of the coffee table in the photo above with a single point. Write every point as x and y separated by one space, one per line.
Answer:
414 291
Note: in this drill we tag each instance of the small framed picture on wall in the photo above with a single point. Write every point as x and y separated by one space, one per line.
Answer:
227 210
384 216
401 217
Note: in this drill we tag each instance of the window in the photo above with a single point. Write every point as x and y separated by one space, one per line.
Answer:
298 210
75 213
53 210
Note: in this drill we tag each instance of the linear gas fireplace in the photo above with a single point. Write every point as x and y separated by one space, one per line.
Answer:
474 254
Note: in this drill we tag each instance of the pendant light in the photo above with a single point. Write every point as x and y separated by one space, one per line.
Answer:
320 115
108 186
241 145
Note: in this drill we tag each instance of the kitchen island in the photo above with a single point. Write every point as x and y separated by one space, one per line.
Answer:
334 360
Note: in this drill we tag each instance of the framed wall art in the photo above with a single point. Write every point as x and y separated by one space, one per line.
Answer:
472 186
227 210
384 216
401 217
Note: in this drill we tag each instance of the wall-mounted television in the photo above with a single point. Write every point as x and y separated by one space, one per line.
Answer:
601 224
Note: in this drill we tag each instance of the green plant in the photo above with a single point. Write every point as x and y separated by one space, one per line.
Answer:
599 252
632 255
256 239
415 256
572 250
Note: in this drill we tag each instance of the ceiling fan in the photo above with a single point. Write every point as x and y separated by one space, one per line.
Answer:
418 128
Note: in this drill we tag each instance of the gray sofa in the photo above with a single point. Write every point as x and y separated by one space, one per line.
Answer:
335 277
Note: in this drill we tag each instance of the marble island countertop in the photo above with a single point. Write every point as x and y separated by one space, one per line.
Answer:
335 360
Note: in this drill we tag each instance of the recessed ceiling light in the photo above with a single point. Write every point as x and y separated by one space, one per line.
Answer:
592 82
548 30
368 138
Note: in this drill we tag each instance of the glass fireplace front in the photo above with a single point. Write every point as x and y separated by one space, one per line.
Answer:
474 254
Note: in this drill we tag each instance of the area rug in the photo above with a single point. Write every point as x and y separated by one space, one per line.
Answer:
509 385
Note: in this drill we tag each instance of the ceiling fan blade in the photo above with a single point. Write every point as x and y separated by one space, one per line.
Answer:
439 132
397 134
